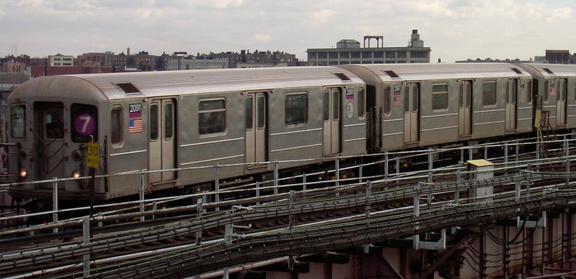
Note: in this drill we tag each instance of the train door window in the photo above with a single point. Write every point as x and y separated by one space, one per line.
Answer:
406 99
296 109
116 126
325 104
439 96
512 91
53 121
489 93
84 123
211 116
249 114
261 103
549 88
415 97
154 125
18 121
168 121
563 94
361 103
387 99
528 85
336 104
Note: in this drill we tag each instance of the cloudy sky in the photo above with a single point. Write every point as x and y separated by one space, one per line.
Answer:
454 29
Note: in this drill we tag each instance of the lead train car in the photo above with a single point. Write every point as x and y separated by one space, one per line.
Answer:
181 119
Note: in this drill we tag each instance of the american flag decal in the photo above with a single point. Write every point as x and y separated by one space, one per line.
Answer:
135 126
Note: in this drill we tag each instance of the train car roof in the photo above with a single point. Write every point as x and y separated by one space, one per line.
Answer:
169 83
550 70
389 72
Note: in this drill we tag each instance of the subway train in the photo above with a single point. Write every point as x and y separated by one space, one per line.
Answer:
179 120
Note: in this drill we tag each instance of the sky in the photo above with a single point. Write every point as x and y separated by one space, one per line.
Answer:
453 29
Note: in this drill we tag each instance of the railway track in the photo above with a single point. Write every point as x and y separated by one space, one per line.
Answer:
331 213
321 215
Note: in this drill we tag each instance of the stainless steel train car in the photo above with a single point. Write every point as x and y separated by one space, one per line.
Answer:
184 119
556 88
421 105
180 119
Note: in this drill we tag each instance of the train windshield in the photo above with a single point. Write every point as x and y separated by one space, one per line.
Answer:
17 121
84 123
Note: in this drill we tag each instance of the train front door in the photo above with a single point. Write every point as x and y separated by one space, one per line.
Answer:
465 109
331 115
561 91
511 105
162 142
49 128
256 119
411 113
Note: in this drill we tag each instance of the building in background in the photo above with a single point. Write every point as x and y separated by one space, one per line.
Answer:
60 60
558 57
350 52
183 61
256 59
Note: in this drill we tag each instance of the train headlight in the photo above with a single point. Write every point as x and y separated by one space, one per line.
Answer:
76 174
23 173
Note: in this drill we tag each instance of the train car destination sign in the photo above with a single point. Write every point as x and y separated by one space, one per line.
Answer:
84 124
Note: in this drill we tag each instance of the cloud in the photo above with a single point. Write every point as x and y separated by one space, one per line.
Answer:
452 28
221 4
262 37
321 16
29 3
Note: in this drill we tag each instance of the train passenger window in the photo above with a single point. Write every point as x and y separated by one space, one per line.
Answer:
296 109
439 96
489 93
84 123
18 121
116 126
361 103
211 116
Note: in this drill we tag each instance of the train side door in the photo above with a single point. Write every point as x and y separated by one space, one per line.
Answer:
511 104
256 127
562 90
162 141
331 114
465 109
411 113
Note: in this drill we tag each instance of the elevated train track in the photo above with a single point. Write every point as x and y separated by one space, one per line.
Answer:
173 252
291 223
